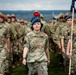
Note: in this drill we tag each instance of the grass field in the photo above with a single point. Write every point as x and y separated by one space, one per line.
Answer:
54 68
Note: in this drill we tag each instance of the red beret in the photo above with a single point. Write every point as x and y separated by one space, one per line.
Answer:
1 16
37 14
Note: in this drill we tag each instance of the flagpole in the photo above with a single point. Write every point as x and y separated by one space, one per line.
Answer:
70 62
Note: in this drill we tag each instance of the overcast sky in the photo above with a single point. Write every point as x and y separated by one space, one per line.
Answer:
35 4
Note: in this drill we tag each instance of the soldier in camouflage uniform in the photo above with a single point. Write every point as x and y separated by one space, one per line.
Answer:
36 47
9 56
73 55
64 36
54 37
54 29
56 25
4 48
18 43
14 31
13 36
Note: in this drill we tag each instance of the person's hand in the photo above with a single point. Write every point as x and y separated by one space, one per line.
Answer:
48 61
15 47
59 46
24 61
69 55
8 51
63 50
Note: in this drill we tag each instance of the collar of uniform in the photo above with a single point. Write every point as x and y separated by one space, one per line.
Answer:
40 33
36 32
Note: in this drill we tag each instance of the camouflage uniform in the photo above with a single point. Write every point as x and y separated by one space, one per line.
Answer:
3 50
9 55
58 31
55 28
3 46
54 38
73 67
36 57
65 34
13 37
22 30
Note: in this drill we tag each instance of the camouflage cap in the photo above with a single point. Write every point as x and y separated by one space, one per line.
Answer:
8 16
60 15
13 16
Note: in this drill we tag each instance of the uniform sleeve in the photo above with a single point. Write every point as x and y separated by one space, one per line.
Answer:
47 43
61 33
26 42
7 33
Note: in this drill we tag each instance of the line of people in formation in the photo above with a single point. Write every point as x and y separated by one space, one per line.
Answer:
13 31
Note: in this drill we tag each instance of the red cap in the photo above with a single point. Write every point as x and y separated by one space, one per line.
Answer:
36 13
1 16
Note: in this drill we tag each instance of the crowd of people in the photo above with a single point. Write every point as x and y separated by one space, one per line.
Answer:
32 42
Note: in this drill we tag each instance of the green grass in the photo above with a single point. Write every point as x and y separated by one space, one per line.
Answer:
53 68
19 71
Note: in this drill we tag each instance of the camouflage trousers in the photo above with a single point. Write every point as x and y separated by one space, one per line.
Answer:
73 66
66 63
3 62
37 68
